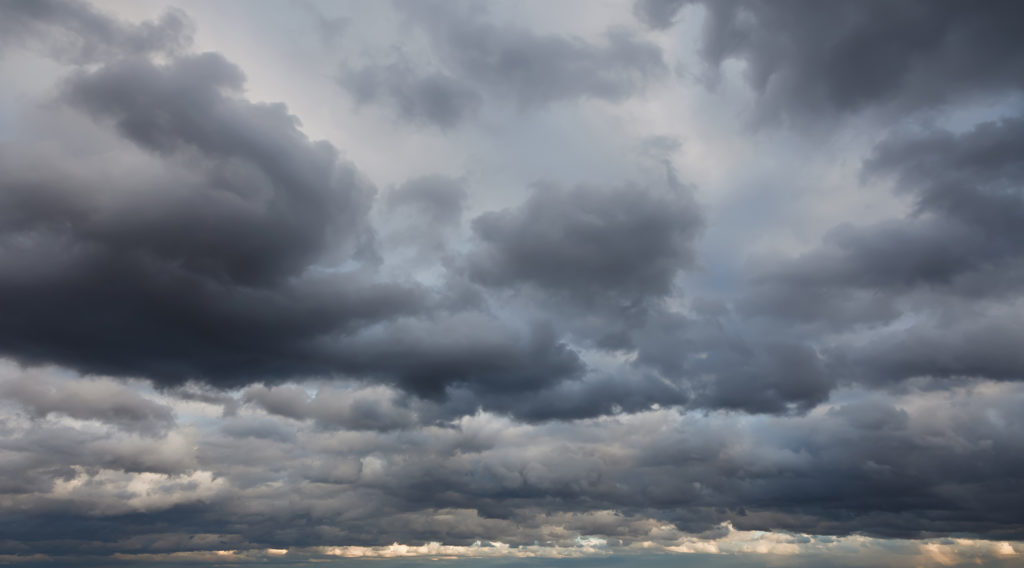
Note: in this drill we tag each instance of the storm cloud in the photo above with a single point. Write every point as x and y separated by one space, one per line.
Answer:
425 282
218 229
619 244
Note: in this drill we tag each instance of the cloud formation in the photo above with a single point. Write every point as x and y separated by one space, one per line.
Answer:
558 300
593 245
803 56
76 32
474 56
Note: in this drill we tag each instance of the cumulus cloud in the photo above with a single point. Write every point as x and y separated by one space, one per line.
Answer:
224 342
806 57
107 401
939 283
212 242
591 244
906 467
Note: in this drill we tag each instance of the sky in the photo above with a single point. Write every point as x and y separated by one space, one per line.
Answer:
595 283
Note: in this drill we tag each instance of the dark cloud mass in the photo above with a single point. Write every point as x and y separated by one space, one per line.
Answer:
203 265
951 268
471 308
804 56
206 268
623 244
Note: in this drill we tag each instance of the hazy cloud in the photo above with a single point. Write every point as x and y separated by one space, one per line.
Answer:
533 69
75 32
436 99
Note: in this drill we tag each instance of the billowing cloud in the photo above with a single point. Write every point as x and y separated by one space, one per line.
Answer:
804 56
471 60
907 466
590 244
533 69
940 283
104 401
545 300
211 241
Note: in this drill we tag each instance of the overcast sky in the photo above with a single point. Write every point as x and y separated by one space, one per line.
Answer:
582 283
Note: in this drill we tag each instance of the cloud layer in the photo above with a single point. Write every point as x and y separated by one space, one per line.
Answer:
523 282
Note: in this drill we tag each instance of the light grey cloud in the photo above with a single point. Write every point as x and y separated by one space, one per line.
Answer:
78 33
658 14
533 69
373 408
435 99
469 61
105 401
438 199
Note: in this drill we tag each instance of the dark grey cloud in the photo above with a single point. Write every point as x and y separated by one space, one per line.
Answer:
960 238
475 60
808 57
533 69
312 367
217 261
436 99
912 466
275 201
384 409
951 268
961 348
719 364
76 32
605 259
202 267
469 349
590 245
764 377
599 394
